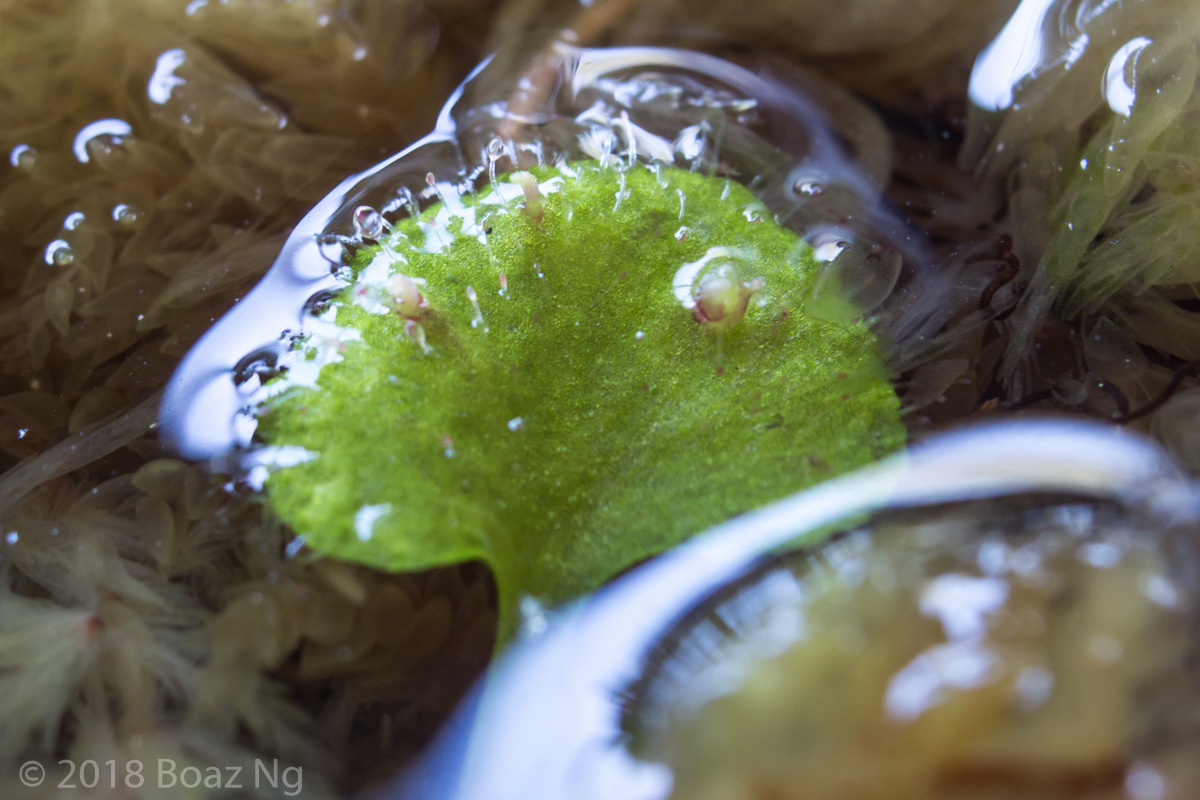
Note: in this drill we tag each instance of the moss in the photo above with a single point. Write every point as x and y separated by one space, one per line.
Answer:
547 403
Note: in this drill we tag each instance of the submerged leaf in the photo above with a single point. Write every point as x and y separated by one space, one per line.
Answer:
576 371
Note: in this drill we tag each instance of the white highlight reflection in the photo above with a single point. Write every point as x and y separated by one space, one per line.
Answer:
1016 54
1120 79
101 127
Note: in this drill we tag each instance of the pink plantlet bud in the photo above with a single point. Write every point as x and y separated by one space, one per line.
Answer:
503 283
406 297
534 208
432 181
722 296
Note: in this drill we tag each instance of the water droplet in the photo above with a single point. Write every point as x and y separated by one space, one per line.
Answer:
368 223
125 214
640 335
495 149
59 253
23 157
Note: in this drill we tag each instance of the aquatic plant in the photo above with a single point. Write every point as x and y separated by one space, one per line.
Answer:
564 374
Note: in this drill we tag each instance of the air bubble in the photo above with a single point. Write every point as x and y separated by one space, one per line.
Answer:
12 537
73 220
125 214
261 364
681 235
23 157
809 187
368 223
806 181
59 253
858 279
516 424
754 213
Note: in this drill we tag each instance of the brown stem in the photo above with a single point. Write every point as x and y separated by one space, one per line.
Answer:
543 67
1182 371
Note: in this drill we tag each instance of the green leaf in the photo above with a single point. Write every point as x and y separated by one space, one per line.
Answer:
583 418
